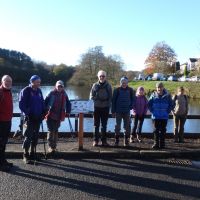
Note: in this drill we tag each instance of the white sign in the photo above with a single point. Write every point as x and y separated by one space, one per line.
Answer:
82 106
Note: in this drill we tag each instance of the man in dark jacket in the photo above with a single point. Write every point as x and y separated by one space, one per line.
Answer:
122 103
6 112
101 94
160 105
31 103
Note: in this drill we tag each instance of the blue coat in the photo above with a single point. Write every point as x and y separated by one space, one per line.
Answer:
31 102
160 106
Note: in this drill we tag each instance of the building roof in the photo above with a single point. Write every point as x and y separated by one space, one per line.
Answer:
193 59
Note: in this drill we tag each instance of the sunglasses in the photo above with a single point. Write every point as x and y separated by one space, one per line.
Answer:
60 86
102 76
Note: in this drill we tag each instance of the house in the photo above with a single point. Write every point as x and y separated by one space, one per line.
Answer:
191 64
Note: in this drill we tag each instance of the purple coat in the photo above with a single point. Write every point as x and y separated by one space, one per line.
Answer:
140 106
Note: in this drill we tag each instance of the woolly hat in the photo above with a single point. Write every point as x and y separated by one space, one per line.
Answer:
123 79
60 83
34 78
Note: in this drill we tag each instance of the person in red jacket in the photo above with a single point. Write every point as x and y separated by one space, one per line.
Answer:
6 112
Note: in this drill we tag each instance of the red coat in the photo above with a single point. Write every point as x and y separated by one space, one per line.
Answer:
6 105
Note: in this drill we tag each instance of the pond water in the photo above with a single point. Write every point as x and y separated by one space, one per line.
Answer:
191 126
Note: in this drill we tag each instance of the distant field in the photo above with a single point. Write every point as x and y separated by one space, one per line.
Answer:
192 88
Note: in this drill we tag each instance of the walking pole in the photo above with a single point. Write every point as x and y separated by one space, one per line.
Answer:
71 128
44 143
20 131
35 158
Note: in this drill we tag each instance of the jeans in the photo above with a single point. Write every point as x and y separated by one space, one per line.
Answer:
31 134
126 121
159 132
52 135
179 122
100 116
138 122
4 132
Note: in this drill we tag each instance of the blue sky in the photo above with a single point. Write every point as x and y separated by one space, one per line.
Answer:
59 31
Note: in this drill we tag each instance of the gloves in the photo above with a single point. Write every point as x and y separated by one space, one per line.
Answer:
26 119
67 114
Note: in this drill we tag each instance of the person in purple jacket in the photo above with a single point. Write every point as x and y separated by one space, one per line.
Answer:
140 107
31 103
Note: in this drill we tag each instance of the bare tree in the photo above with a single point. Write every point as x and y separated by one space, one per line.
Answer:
94 60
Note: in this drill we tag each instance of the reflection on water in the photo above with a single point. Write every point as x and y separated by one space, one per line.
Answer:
74 92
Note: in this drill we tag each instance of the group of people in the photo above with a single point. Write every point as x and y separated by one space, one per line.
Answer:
124 99
56 106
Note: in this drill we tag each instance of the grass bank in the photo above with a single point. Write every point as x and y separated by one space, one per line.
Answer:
192 88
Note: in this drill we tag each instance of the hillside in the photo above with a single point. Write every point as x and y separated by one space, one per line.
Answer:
192 88
21 67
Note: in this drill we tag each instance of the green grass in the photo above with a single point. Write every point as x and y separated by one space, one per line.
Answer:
191 88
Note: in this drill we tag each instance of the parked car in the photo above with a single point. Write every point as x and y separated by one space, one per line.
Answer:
195 78
184 78
157 76
172 78
164 78
148 77
140 77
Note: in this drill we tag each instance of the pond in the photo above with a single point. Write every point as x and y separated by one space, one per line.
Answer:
74 92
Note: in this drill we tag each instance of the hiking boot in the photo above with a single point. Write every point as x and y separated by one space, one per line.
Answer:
105 144
126 143
8 163
4 168
139 138
116 143
162 146
155 146
50 150
181 140
95 144
26 158
32 156
131 139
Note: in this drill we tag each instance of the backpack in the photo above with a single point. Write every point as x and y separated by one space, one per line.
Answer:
175 98
130 90
100 92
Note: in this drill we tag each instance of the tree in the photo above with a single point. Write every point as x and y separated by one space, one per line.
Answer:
185 71
63 72
21 67
94 60
160 58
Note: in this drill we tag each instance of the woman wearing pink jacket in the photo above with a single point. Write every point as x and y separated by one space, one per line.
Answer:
140 108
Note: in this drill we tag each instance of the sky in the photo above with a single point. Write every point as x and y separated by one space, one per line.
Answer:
59 31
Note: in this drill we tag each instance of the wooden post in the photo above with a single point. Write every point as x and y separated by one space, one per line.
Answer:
80 132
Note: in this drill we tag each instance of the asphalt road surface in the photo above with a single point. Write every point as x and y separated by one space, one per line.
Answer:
101 179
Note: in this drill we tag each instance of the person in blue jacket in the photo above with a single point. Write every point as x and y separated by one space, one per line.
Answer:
31 103
160 105
122 103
